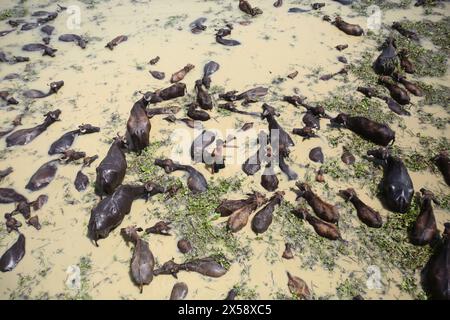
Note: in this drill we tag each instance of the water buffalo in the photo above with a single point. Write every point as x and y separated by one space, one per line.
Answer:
138 125
348 28
263 218
43 176
196 181
386 62
73 38
109 212
111 170
209 68
67 139
368 129
424 230
442 161
12 256
54 88
366 214
436 274
114 42
25 136
322 209
396 185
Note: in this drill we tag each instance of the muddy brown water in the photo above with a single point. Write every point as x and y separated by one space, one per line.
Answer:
100 88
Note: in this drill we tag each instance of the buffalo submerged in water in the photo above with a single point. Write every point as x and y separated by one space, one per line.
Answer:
396 185
109 212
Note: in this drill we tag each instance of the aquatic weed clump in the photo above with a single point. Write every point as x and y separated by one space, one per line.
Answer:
389 248
144 164
311 247
362 6
362 68
193 215
428 63
374 109
438 94
437 31
85 265
419 159
244 292
195 219
17 11
362 172
390 244
350 287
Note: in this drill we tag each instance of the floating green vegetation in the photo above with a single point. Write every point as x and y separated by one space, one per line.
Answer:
196 220
16 12
437 31
439 95
433 120
216 89
224 112
24 288
390 243
315 74
244 292
85 265
361 171
374 109
91 4
415 159
361 6
27 283
363 69
144 164
194 215
115 120
429 5
426 62
387 247
444 201
350 287
173 20
281 295
5 14
311 247
358 146
419 159
410 285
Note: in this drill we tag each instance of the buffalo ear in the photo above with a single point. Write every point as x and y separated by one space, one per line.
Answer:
148 96
149 186
139 229
265 113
